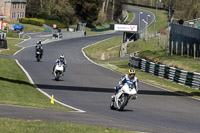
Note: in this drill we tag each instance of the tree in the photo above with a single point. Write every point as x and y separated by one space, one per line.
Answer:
60 10
32 8
87 10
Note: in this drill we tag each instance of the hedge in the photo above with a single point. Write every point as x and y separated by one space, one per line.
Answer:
33 21
40 22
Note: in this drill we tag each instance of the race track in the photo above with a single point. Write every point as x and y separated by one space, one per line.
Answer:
88 87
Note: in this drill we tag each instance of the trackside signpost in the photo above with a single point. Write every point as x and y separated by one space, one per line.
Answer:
123 27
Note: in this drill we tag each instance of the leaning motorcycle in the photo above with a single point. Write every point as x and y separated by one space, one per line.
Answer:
123 97
58 71
38 55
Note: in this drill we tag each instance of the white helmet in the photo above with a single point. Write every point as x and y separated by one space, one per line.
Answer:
62 57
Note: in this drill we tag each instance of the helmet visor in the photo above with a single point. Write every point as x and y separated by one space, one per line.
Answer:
61 59
132 75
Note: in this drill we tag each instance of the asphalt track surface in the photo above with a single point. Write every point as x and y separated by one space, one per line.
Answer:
88 87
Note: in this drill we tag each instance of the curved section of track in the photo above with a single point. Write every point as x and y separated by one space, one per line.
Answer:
88 87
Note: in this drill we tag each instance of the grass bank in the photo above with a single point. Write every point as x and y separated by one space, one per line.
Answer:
130 17
11 47
22 126
15 87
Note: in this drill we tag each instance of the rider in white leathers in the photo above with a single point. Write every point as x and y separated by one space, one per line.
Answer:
130 77
62 60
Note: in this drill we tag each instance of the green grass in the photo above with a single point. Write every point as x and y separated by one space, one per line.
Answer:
11 47
104 50
35 126
130 17
32 28
16 89
92 33
11 34
105 25
29 27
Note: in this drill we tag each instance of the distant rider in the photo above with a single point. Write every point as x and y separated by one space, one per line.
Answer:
39 43
62 60
130 77
38 47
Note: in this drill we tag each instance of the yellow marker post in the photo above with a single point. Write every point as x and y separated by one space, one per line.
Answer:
52 100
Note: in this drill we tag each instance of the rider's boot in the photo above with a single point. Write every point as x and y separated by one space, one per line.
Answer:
113 96
134 97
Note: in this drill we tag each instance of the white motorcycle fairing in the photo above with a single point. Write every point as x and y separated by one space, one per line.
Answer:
58 71
127 89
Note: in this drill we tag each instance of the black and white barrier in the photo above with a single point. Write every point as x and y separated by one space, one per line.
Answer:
179 76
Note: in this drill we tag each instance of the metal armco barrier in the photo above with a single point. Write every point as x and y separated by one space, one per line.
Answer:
179 76
3 43
2 35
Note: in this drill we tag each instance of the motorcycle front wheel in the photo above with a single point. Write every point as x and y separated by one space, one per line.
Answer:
38 57
122 101
57 76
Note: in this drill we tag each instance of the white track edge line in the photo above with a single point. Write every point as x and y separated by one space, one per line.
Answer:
31 81
122 74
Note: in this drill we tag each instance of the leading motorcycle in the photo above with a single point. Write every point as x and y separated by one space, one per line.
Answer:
123 97
58 71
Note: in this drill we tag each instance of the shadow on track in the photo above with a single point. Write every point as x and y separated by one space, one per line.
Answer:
163 93
76 88
108 90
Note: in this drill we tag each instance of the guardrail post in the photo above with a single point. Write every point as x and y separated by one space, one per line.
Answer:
172 48
181 48
188 48
194 51
176 47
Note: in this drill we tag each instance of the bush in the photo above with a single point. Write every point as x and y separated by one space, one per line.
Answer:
58 24
33 21
40 22
24 20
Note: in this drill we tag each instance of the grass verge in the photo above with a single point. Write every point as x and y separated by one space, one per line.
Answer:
104 50
21 126
11 46
16 89
130 17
